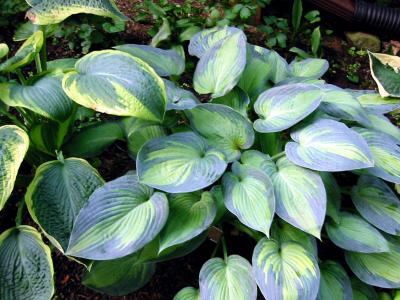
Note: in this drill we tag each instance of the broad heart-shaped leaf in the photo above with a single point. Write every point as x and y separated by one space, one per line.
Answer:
335 283
328 145
377 203
46 12
14 144
56 195
178 98
281 107
285 271
383 124
189 215
219 69
236 99
378 269
26 268
223 127
386 152
353 233
118 219
25 54
164 62
374 103
188 293
385 71
310 68
249 194
333 195
179 163
231 279
45 97
116 83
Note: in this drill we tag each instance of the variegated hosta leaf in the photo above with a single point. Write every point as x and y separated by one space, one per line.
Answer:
26 268
25 30
219 69
383 124
14 144
385 71
333 195
292 80
281 107
362 291
223 127
45 97
310 68
374 103
231 279
179 163
56 195
179 99
328 145
378 269
249 194
386 152
188 293
25 54
335 283
353 233
3 50
46 12
189 215
61 64
377 203
118 219
285 271
259 160
164 62
236 99
279 67
117 83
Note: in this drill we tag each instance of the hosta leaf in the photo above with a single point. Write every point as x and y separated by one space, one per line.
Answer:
279 67
189 215
285 271
383 124
328 145
335 284
25 30
117 83
56 195
25 54
353 233
219 69
310 68
179 163
14 144
236 99
46 12
188 293
164 62
332 194
249 194
178 98
61 64
385 71
386 152
231 279
292 80
118 219
3 50
362 291
45 97
26 269
223 127
377 203
259 160
377 269
281 107
374 103
218 196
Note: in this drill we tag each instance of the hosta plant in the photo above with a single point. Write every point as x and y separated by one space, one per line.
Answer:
299 165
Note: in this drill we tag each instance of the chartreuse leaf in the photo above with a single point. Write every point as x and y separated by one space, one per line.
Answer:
46 12
26 268
386 152
374 103
279 67
332 194
61 64
118 219
178 98
223 127
14 144
310 68
328 145
25 30
25 54
3 50
378 269
259 160
285 271
219 69
383 124
377 203
189 215
353 233
335 283
231 279
56 195
117 83
179 163
249 194
236 99
293 80
45 97
362 291
281 107
188 293
385 71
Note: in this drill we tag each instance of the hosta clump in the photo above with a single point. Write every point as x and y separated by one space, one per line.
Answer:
270 153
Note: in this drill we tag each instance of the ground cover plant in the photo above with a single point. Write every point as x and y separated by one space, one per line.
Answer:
272 150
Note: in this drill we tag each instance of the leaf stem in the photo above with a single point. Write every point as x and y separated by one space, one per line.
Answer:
20 76
224 248
38 63
215 249
14 119
21 206
252 233
278 156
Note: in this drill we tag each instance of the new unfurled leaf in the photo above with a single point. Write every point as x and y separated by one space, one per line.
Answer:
335 283
385 71
309 68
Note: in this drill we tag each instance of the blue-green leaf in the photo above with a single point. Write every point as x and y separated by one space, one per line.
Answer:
335 284
362 291
279 67
374 103
383 124
333 195
178 98
310 68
